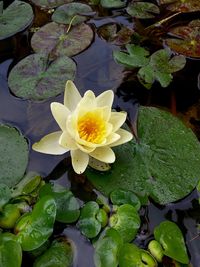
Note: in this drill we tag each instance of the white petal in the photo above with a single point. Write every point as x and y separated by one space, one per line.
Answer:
72 96
79 160
60 113
49 144
87 103
117 119
105 99
113 137
85 149
67 142
104 154
125 137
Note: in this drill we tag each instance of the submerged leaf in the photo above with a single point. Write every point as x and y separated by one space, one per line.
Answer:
56 39
15 18
37 78
164 164
142 10
14 155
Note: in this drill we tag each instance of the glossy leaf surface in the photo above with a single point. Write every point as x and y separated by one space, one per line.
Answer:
119 197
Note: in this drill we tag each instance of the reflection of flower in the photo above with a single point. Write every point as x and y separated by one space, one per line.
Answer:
89 128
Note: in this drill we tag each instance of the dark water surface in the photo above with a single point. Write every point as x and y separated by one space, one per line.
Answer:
96 70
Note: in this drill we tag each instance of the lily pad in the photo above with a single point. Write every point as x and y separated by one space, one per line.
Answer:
71 13
119 197
14 155
182 5
107 248
67 205
142 10
126 221
10 252
60 254
5 195
171 239
163 164
9 215
130 255
15 18
185 39
88 223
57 40
34 228
37 78
50 4
113 3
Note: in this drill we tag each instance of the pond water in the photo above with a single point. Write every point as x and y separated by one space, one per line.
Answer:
97 70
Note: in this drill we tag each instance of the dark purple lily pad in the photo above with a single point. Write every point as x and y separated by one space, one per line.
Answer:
182 6
72 12
142 10
37 78
188 39
50 3
56 40
15 18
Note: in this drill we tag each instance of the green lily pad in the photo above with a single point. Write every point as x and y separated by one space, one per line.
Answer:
142 10
50 4
188 39
136 57
72 12
113 3
9 215
37 78
171 239
119 197
182 5
163 164
88 223
130 255
107 248
60 254
34 228
5 195
156 250
67 205
57 40
126 221
15 18
10 251
14 155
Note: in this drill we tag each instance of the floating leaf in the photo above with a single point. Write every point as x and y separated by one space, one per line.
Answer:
60 254
37 78
88 222
34 228
182 5
5 195
107 248
9 215
142 10
164 164
156 250
15 18
50 3
130 255
188 39
126 221
67 205
14 155
56 39
135 58
113 3
119 197
10 252
171 239
73 12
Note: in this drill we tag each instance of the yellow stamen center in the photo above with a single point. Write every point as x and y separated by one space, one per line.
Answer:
92 127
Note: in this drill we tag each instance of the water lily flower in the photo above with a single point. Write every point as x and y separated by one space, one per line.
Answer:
89 128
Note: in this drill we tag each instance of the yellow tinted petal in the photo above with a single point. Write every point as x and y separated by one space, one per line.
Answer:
60 114
86 149
72 96
105 99
79 160
104 154
125 137
67 141
49 144
87 103
117 119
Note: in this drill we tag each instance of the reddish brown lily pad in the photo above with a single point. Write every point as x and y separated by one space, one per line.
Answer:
50 3
187 39
57 40
182 5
